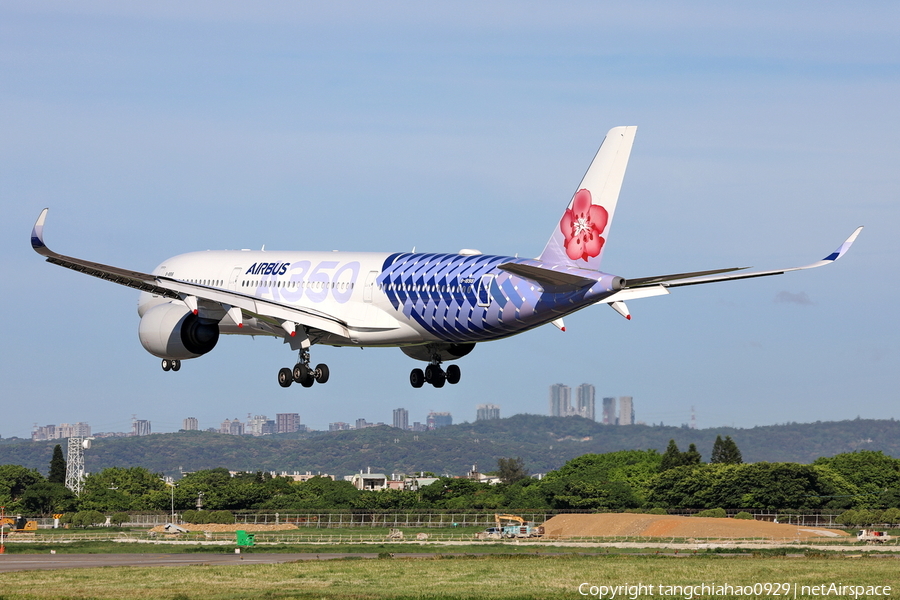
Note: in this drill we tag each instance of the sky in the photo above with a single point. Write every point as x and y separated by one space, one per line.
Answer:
767 132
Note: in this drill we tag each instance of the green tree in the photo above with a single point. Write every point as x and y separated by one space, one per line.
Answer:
872 472
732 455
718 451
615 480
692 456
671 458
122 489
46 498
57 466
511 470
725 452
14 480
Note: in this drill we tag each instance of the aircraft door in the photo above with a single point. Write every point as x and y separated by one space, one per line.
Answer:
484 290
369 289
233 279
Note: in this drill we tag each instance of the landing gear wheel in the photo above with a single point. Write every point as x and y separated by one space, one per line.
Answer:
322 373
166 364
308 381
176 365
438 378
300 373
285 377
453 374
417 378
430 372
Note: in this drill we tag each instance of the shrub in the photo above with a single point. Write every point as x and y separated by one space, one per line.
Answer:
891 516
221 516
744 515
848 517
191 516
118 518
88 518
718 513
657 511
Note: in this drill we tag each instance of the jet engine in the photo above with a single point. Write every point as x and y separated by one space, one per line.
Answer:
171 330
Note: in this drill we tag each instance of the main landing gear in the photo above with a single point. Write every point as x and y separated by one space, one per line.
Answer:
434 375
302 373
171 364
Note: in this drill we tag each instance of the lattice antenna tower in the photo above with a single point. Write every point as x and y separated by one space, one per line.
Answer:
75 464
693 418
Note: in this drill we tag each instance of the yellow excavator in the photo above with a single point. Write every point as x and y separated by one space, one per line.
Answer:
514 526
18 524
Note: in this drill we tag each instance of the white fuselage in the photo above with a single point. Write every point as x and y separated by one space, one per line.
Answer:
341 285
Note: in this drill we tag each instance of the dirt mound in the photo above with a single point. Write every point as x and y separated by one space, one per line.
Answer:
668 526
219 528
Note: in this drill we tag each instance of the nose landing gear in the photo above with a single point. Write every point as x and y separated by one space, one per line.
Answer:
171 364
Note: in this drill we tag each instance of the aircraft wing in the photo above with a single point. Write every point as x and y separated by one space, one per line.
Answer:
285 315
644 287
699 277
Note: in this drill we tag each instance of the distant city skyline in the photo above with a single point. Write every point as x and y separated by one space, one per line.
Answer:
258 425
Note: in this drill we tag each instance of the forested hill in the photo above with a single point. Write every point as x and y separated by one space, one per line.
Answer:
545 443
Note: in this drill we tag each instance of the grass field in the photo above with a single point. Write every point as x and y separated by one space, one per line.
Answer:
495 577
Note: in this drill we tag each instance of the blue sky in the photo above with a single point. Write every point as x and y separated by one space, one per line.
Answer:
766 134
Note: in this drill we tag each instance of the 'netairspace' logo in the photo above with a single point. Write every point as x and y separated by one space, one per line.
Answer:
712 590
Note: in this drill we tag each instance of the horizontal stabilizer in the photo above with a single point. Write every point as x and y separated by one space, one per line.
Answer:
552 281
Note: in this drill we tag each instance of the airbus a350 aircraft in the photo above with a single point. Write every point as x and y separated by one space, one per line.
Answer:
434 307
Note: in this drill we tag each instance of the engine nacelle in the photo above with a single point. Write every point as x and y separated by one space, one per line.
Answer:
171 330
444 351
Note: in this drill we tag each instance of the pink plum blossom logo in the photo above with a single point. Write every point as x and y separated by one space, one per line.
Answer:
582 226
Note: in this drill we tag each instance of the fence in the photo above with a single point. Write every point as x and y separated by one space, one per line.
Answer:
345 519
338 539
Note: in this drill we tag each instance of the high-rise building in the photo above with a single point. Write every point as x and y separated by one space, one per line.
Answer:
287 422
260 425
560 400
401 418
230 427
609 411
436 420
626 410
190 424
585 400
66 430
339 426
47 432
487 412
140 427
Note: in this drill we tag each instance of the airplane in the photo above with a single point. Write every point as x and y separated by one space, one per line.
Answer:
434 307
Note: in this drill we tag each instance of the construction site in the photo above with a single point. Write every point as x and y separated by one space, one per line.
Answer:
676 531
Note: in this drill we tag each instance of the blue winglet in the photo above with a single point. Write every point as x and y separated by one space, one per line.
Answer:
37 234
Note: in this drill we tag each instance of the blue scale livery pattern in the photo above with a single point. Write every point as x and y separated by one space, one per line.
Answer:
440 292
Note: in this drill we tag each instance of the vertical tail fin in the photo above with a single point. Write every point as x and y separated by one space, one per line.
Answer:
581 235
